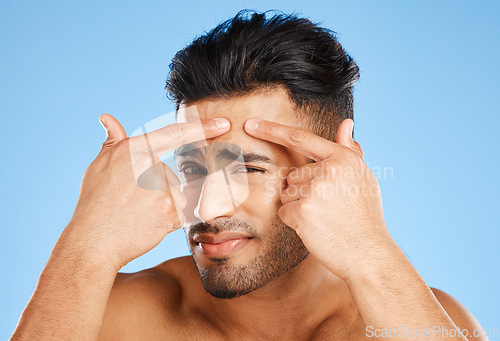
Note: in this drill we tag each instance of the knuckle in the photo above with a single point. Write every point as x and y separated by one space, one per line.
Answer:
350 155
118 152
287 217
284 198
122 146
293 177
307 208
298 136
176 132
284 194
316 182
110 145
317 186
304 209
169 201
292 191
267 129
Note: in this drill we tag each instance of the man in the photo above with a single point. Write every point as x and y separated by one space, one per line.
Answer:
304 255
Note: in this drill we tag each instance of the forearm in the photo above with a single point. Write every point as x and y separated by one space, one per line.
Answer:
391 294
70 297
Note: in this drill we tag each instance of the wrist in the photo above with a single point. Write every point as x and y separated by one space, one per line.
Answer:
375 262
82 247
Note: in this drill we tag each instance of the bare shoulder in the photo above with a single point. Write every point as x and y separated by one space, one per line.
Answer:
458 313
143 301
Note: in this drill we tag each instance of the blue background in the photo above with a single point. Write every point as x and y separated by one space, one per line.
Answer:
426 107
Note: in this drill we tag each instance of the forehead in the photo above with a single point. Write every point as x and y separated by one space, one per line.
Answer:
271 104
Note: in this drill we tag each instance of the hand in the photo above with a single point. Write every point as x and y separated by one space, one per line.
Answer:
333 204
114 217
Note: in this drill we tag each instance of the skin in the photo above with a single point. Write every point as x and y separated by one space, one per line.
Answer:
255 187
355 275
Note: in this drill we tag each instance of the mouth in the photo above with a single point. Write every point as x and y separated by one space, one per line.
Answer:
222 244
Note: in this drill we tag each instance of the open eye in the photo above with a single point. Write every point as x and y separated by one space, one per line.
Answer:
193 169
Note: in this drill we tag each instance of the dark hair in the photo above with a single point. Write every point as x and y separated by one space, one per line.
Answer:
250 52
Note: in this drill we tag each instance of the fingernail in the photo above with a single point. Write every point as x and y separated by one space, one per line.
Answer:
251 124
103 123
221 123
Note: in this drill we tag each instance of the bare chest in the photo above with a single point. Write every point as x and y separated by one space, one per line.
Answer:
196 329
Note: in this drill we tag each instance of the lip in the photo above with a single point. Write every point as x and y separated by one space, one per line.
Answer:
221 244
220 237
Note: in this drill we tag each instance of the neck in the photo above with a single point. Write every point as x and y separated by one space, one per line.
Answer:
297 301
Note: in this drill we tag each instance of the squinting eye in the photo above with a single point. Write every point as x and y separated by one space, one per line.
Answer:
193 170
248 170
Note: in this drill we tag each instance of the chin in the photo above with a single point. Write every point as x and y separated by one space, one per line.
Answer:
226 278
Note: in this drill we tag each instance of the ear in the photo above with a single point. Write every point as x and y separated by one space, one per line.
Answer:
344 136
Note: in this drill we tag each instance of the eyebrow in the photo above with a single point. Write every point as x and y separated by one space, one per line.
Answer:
227 154
189 150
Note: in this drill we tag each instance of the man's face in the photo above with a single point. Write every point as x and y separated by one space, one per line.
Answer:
235 235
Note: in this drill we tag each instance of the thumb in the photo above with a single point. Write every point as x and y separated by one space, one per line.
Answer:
345 134
114 130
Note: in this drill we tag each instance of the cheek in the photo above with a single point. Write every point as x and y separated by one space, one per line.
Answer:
264 196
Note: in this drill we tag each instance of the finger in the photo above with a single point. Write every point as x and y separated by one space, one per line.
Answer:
345 136
294 192
305 173
179 199
157 177
165 139
114 130
161 141
288 214
298 139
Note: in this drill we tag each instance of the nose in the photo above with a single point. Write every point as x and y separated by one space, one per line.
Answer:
216 199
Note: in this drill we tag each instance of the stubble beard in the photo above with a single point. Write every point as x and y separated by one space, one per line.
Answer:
282 251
